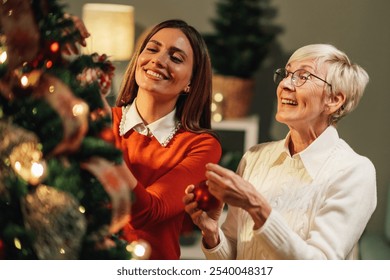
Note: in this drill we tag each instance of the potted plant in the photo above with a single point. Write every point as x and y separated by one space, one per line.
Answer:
237 48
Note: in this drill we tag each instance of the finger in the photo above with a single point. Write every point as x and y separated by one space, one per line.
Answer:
216 179
221 171
188 198
191 207
197 215
78 23
189 189
83 43
70 49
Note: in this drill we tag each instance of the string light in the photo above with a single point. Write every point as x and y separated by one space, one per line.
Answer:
26 160
49 64
17 243
216 107
139 249
54 47
3 57
80 109
24 81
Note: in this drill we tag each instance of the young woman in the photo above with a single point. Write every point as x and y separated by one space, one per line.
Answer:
162 123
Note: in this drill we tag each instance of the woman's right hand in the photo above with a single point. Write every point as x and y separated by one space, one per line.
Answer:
72 48
207 222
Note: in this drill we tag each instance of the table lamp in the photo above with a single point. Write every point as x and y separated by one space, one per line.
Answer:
112 30
112 33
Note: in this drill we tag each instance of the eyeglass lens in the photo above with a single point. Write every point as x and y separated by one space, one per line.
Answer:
298 78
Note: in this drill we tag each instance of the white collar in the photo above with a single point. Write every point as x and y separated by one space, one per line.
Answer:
162 129
314 156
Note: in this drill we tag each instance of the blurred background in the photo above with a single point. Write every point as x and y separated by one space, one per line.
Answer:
358 27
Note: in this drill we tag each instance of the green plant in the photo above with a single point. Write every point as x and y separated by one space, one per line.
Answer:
241 38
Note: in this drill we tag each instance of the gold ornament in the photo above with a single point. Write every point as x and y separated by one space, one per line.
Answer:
20 153
58 225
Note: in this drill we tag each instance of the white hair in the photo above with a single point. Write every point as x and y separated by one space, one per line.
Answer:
345 77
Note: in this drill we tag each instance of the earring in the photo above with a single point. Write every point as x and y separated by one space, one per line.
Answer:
187 89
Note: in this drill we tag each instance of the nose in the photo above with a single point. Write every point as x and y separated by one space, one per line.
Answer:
287 82
160 59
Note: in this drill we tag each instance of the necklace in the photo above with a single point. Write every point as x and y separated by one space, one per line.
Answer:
170 136
123 120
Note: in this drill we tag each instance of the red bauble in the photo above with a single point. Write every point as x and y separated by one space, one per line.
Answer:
206 201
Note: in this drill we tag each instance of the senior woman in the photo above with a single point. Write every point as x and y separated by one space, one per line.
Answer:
309 196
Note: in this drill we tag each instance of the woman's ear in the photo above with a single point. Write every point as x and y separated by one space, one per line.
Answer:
335 102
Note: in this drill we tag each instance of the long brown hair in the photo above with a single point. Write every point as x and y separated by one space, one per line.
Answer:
192 109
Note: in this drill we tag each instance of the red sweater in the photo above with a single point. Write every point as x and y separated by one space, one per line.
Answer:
163 173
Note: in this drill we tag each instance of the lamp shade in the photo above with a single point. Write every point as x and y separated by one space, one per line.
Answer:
112 29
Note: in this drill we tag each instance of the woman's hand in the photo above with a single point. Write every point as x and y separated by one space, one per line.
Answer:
80 26
206 221
232 189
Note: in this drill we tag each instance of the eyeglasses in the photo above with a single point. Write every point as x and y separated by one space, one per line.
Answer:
298 77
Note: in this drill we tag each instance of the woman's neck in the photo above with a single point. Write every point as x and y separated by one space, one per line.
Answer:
152 109
301 139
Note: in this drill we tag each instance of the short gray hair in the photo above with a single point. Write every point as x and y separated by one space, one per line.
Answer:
344 76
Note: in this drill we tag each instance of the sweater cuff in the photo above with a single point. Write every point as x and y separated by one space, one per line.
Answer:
219 252
274 231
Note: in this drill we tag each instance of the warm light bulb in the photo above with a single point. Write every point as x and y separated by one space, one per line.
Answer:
37 169
3 57
26 160
49 64
24 81
139 251
17 165
80 109
54 47
217 117
218 97
213 107
17 243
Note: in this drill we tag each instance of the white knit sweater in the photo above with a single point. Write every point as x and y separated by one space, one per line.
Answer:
321 198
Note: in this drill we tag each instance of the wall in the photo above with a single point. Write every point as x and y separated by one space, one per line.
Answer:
354 26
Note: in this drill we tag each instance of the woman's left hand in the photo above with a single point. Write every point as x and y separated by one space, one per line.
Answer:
232 189
229 187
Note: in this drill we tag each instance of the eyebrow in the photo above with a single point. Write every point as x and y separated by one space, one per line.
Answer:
174 49
303 66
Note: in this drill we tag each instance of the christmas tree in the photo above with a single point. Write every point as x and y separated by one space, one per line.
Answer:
52 122
242 36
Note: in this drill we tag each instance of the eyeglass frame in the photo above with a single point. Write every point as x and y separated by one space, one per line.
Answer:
292 75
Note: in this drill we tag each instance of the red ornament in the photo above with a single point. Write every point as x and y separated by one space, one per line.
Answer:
206 201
